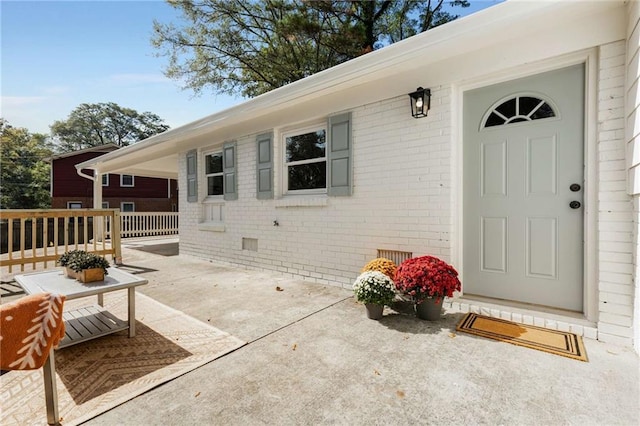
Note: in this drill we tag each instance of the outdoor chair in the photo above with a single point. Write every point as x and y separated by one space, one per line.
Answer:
30 329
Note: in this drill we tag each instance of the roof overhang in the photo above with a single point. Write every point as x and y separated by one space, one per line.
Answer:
107 147
504 36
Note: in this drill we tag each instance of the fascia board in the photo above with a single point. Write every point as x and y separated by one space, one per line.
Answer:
108 146
144 172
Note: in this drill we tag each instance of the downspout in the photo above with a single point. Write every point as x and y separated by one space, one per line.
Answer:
97 187
97 199
51 180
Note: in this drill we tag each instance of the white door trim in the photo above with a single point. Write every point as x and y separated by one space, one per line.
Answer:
589 58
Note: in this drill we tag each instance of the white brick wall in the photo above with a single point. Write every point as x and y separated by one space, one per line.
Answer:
401 201
615 209
632 111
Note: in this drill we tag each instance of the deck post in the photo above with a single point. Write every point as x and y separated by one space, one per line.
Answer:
115 237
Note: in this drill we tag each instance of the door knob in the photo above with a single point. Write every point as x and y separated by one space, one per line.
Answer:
575 204
575 187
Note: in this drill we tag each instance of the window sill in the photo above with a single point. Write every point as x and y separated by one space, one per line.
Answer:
213 199
211 227
301 201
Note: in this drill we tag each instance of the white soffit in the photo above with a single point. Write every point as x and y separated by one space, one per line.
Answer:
502 36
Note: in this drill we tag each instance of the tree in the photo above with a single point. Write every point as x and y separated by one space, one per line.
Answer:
252 47
91 125
24 175
408 18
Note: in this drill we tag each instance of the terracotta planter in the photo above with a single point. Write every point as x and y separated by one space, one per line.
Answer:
374 311
429 310
90 275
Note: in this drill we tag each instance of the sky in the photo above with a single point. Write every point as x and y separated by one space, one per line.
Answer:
56 55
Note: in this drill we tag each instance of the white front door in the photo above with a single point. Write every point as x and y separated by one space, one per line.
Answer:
523 190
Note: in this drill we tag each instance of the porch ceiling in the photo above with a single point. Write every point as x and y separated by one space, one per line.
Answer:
490 41
159 166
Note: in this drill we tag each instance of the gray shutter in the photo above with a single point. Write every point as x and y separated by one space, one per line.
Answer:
264 165
229 171
192 176
339 156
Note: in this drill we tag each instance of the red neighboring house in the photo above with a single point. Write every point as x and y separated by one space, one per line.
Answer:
127 192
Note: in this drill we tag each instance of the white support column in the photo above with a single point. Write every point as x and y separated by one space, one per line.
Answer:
97 204
97 191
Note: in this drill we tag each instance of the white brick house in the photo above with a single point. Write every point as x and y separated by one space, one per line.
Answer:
534 105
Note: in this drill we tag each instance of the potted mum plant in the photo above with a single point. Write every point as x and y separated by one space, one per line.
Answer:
374 289
84 266
427 280
381 264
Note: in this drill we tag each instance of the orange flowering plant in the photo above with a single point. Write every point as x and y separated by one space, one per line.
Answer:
426 277
381 264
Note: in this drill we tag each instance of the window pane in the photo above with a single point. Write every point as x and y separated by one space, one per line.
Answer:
128 207
127 180
494 120
508 108
545 111
308 176
527 104
214 185
306 146
214 163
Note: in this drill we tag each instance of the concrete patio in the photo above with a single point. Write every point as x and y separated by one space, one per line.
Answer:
314 358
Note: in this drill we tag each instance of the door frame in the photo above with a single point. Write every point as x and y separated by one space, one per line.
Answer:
589 59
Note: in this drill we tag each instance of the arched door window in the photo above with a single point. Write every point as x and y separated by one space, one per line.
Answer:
517 109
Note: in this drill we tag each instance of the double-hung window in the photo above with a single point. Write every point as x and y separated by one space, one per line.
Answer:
305 160
214 174
213 206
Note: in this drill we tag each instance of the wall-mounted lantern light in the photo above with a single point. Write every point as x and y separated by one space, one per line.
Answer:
420 102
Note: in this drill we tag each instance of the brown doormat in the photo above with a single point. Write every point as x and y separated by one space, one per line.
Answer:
553 341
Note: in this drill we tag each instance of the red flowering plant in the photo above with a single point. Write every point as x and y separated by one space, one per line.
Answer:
426 277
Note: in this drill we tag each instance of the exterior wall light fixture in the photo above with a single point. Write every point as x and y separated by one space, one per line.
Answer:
420 102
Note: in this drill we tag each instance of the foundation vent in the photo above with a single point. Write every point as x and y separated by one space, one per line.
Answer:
250 244
397 256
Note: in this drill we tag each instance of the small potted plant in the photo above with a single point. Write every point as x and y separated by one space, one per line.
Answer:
65 261
427 280
374 289
84 266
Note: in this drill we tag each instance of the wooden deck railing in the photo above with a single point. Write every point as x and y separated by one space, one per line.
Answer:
144 224
39 237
